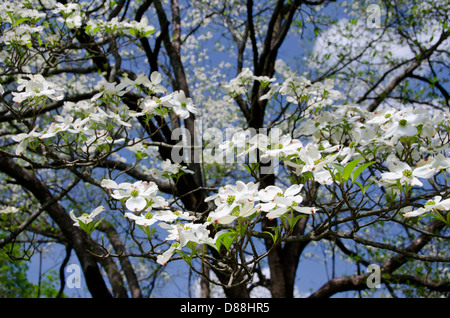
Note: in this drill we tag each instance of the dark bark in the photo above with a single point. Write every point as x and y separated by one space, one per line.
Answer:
127 268
359 282
283 261
75 237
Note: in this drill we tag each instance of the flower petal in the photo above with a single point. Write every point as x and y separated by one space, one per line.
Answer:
304 209
426 172
97 211
136 204
292 190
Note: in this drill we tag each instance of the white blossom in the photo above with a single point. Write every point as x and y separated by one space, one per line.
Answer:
85 217
36 86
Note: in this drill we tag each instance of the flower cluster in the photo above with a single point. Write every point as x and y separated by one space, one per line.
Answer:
233 202
92 126
70 14
299 90
403 173
177 101
240 85
146 209
86 218
115 25
243 200
138 196
22 21
409 145
94 121
36 86
182 234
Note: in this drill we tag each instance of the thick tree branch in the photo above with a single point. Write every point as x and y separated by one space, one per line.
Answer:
127 268
75 237
435 84
407 72
359 282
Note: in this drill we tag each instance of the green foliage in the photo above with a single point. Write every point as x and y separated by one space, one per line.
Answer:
15 283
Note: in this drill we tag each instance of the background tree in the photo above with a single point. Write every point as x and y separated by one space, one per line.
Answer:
102 104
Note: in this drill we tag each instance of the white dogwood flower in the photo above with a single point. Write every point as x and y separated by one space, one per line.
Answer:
85 217
404 123
182 105
137 196
24 138
36 86
278 202
402 171
234 201
434 204
112 89
154 83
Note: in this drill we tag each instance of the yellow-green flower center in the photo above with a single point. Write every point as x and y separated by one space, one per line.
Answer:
317 161
403 122
148 215
407 173
134 193
230 199
279 146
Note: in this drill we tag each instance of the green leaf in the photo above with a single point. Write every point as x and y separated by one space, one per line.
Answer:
439 217
19 21
96 224
276 233
11 17
360 169
293 220
149 32
340 168
348 169
316 31
363 188
149 231
184 256
226 239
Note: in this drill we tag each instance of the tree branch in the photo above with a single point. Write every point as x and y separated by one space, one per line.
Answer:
75 237
407 72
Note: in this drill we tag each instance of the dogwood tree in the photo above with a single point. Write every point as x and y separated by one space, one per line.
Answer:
232 137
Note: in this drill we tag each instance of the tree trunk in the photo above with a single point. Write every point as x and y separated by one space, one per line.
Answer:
75 237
